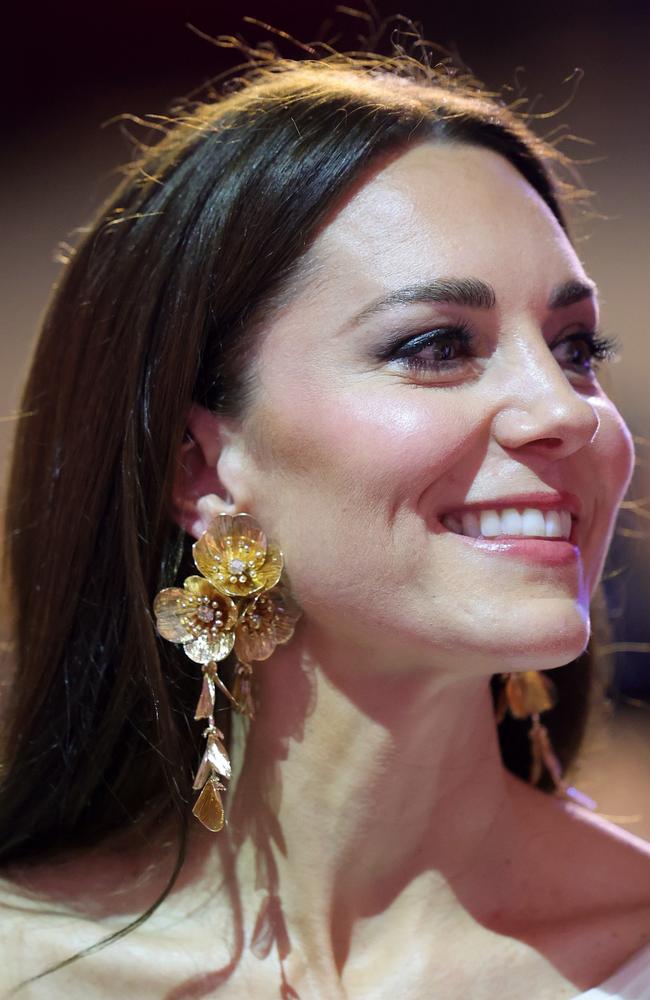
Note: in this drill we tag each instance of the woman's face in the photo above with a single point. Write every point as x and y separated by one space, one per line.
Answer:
365 431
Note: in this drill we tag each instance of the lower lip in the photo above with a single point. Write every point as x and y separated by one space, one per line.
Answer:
539 550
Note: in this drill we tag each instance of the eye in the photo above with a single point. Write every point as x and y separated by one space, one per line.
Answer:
448 350
443 350
584 351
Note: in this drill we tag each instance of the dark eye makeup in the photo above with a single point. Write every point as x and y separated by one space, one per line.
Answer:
599 348
447 349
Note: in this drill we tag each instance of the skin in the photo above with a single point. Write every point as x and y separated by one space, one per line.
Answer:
408 862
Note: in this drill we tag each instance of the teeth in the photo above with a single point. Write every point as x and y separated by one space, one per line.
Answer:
471 525
510 521
528 523
454 524
533 523
490 524
554 524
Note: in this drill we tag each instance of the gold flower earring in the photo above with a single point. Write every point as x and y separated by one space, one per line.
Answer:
525 695
238 603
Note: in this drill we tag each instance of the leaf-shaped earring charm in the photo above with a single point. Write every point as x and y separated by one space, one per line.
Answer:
237 604
203 620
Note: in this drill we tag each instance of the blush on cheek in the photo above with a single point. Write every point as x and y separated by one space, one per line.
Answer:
382 440
339 480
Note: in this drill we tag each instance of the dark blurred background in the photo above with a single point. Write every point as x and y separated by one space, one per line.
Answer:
71 69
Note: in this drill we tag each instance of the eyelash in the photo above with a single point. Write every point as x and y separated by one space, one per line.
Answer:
600 348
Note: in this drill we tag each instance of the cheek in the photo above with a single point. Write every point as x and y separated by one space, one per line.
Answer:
377 445
612 467
613 457
618 446
338 479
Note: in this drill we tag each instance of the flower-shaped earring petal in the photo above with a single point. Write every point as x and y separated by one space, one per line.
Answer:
236 557
199 617
266 621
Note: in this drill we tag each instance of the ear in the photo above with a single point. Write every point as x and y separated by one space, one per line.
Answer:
206 481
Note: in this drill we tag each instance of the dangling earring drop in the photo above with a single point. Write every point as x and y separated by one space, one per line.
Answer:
238 604
526 695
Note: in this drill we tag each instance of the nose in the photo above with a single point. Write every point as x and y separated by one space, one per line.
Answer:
541 409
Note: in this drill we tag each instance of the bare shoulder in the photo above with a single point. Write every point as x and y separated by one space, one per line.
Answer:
149 962
22 927
607 864
615 869
33 937
618 860
593 881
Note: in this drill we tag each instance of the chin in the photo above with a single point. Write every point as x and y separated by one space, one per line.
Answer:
551 644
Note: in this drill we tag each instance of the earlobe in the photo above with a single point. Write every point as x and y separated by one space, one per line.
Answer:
198 493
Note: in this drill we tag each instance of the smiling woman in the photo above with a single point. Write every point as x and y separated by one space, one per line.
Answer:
319 388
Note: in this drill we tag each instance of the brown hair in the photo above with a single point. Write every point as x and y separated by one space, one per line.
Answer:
158 307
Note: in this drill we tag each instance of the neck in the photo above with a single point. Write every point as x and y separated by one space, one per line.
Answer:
356 792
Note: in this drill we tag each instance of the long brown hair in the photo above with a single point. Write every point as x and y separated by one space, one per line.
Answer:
158 307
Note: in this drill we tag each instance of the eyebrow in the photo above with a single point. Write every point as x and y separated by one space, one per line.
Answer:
472 292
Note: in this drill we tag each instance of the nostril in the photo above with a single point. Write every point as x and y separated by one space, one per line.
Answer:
556 425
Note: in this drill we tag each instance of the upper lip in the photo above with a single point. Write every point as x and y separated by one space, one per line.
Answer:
542 500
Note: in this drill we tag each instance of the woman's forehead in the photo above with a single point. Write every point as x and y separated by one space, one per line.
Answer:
445 209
